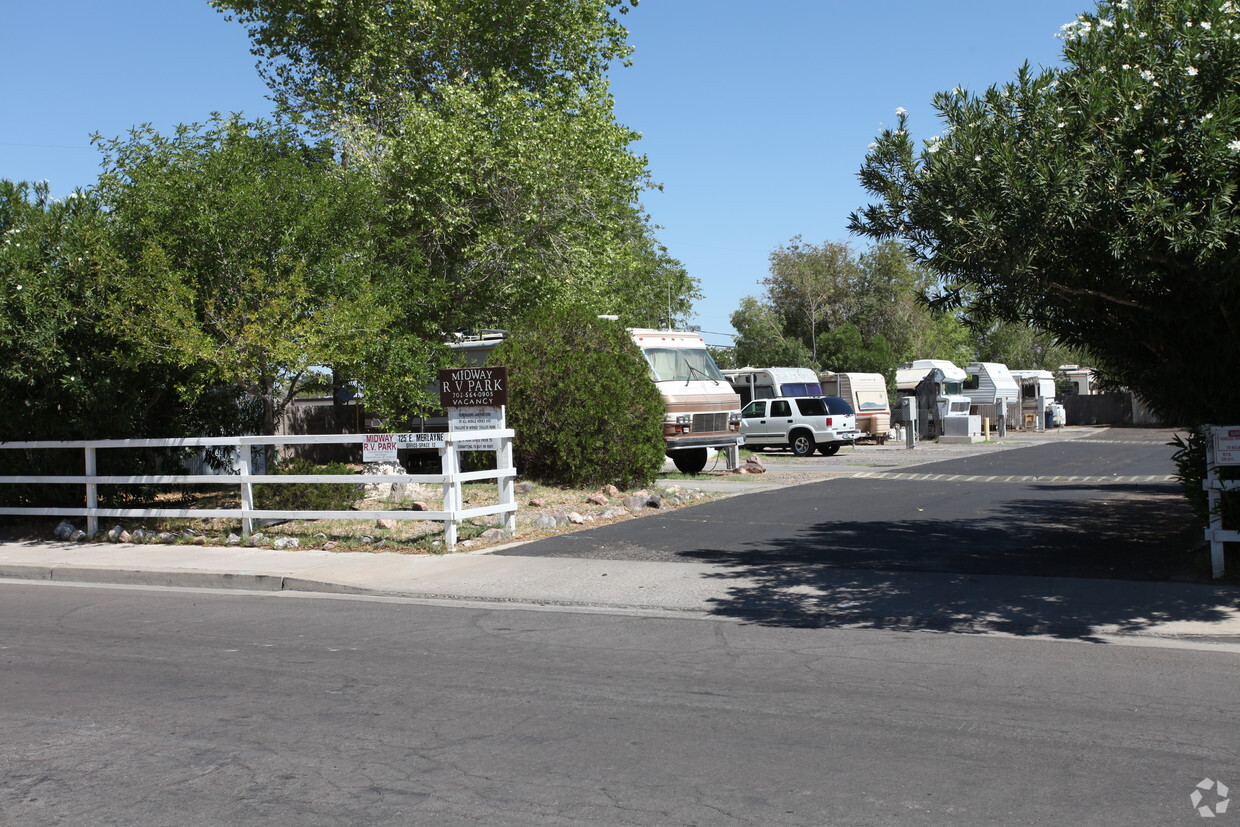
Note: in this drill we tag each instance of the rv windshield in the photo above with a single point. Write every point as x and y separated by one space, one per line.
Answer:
672 364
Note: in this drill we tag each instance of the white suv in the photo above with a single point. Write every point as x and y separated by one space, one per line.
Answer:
801 423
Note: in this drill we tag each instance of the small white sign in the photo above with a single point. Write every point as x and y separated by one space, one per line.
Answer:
420 440
1227 445
379 448
476 419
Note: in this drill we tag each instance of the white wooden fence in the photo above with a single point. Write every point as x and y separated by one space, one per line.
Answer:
1220 450
451 479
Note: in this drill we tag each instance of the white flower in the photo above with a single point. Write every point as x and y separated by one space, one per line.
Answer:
1146 74
19 287
1207 116
1205 24
900 110
1189 24
979 157
1192 71
1136 106
1061 124
1234 146
1125 66
872 145
932 148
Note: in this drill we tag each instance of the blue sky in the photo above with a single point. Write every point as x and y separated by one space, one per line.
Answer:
754 116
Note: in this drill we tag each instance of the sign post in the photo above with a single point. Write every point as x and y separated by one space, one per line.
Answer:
475 399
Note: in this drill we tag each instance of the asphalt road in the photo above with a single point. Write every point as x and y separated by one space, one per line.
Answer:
1080 508
158 708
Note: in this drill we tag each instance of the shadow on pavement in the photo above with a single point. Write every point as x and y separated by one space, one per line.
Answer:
1037 566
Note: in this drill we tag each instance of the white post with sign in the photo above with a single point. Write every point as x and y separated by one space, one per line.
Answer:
1223 448
475 399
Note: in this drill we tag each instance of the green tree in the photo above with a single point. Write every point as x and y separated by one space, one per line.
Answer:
581 401
1094 201
761 341
65 371
812 287
249 257
491 127
1021 347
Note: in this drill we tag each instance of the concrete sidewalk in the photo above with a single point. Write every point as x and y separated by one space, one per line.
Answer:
1064 608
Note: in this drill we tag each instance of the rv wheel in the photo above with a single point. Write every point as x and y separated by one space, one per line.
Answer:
829 450
690 461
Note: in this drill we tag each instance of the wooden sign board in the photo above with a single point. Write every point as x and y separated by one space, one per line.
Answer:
473 387
1227 445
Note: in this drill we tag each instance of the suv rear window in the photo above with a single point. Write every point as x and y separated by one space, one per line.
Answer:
837 405
810 407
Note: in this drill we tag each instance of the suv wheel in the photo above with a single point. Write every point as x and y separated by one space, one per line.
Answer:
830 449
802 444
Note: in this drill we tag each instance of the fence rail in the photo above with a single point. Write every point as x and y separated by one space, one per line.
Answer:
452 478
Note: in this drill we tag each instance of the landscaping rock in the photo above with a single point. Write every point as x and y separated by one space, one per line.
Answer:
493 535
78 536
64 530
545 521
614 512
330 545
523 488
138 536
654 501
285 543
610 490
385 524
114 534
199 541
419 506
538 502
635 502
366 540
233 540
166 537
575 518
597 499
123 537
257 537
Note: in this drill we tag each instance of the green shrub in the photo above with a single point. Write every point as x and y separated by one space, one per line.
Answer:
1190 461
307 496
581 402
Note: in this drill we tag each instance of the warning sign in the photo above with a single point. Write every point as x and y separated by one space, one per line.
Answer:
476 419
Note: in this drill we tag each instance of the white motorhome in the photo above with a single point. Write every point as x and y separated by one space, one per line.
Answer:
867 393
1035 385
950 400
702 411
768 383
990 383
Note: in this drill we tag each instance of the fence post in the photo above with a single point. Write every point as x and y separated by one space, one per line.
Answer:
245 459
92 492
1214 497
507 485
451 491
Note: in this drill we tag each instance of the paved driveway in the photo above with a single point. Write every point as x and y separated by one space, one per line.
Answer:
1099 506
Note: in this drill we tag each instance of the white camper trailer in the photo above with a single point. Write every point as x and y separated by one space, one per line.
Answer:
1034 385
991 383
768 383
867 393
950 401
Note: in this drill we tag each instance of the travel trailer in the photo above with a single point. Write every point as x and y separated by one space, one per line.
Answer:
702 411
990 383
768 383
1082 379
867 393
1034 385
946 394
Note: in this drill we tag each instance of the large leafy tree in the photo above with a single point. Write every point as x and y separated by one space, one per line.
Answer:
491 126
830 308
250 257
1095 201
65 371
